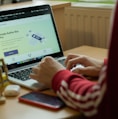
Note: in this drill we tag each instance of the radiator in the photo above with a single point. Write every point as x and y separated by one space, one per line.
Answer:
87 26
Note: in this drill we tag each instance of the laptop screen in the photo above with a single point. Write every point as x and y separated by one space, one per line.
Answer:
27 35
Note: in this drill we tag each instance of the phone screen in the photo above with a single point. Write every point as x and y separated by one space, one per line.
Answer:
41 99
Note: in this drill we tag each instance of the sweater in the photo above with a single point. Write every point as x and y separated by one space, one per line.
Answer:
96 100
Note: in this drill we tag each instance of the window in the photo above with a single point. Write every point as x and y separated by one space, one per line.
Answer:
101 1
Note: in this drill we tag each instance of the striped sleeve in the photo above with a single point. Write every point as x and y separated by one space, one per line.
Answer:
78 92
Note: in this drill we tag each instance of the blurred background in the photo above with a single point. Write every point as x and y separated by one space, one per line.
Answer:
93 1
12 1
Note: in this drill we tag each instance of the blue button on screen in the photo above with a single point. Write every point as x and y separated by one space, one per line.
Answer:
13 52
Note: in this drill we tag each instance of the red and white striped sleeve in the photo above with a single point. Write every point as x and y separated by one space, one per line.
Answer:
78 92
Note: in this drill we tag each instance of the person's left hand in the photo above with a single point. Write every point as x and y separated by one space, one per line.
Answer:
91 66
45 70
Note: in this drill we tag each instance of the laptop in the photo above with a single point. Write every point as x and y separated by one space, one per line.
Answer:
26 36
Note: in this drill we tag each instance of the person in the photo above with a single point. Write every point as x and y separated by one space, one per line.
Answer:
95 99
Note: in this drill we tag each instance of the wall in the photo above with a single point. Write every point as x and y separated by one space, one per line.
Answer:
87 26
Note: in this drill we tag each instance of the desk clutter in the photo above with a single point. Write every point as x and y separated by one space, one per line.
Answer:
3 79
11 90
6 89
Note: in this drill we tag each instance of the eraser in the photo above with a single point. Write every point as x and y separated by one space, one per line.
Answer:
12 90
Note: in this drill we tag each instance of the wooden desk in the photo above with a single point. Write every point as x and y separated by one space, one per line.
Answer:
95 52
58 8
12 109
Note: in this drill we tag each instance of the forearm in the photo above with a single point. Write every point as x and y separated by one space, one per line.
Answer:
77 92
73 80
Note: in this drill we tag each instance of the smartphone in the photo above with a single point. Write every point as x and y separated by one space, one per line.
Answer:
42 100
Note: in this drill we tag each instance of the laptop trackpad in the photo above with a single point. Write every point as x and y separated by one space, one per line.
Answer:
31 83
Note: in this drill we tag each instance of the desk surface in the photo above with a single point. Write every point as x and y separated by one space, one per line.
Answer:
12 109
95 52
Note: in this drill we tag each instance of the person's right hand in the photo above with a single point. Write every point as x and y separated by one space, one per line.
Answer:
45 70
91 67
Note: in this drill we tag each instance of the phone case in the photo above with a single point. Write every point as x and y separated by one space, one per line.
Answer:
42 100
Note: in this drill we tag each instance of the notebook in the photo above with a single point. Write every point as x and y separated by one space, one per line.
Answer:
26 36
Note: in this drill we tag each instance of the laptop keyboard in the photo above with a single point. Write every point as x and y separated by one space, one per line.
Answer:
22 74
62 61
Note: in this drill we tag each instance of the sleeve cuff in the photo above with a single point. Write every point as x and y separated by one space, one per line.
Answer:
58 77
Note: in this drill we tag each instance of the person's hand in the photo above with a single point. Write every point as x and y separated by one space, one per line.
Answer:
91 67
45 70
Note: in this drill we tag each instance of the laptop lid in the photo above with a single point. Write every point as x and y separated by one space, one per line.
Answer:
27 35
